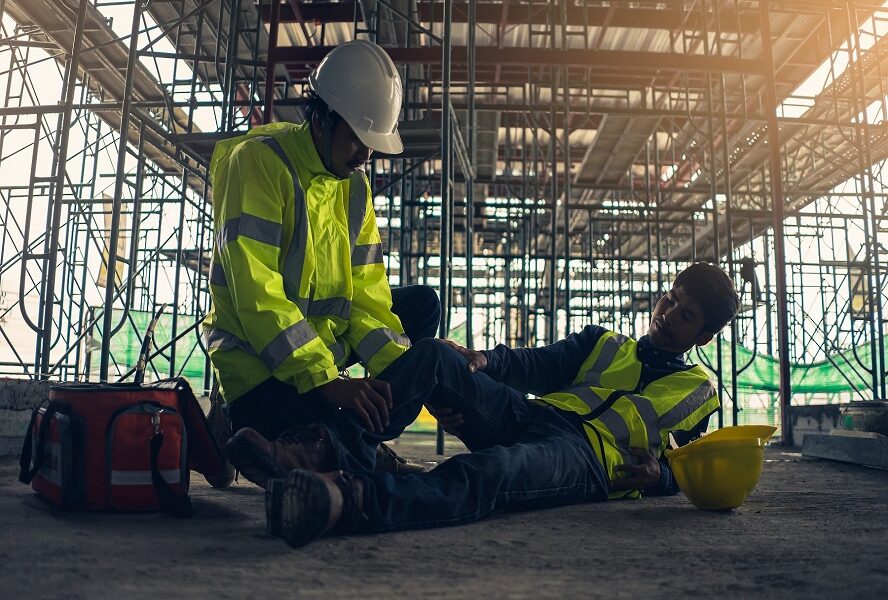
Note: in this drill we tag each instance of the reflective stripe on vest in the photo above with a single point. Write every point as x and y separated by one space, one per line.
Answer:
275 352
294 262
218 339
618 418
605 357
374 341
249 226
357 206
361 254
611 365
217 273
367 254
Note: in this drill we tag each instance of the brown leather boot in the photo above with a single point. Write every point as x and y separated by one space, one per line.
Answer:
388 460
309 504
259 459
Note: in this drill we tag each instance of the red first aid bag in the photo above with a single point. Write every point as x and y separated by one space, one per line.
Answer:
119 446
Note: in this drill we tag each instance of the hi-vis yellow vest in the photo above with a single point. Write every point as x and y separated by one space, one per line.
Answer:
618 416
297 279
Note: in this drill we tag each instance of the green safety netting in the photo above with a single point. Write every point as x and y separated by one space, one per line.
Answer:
126 343
841 373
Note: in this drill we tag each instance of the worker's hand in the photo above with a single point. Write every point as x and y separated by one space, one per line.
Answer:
370 399
644 475
447 419
477 360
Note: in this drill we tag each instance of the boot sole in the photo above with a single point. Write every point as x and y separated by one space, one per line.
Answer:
273 494
304 508
254 463
410 469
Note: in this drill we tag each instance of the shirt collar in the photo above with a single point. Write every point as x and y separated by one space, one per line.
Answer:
651 355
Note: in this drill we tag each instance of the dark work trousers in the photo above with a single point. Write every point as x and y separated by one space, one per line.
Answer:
273 407
523 454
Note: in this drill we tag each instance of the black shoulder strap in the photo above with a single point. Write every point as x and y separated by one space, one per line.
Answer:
604 406
27 471
176 504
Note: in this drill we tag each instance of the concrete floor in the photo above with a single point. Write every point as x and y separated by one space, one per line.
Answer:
811 529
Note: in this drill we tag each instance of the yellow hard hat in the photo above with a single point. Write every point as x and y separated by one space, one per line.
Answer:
718 471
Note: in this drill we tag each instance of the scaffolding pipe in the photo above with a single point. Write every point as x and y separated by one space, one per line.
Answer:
111 268
776 183
446 191
470 182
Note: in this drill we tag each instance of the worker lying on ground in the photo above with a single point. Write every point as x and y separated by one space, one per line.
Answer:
297 281
597 431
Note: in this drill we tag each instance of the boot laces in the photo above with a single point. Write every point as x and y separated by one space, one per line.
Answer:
391 454
352 503
300 435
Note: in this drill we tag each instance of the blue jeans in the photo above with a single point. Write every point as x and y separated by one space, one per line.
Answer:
523 455
273 407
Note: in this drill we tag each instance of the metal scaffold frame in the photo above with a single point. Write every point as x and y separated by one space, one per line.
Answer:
564 160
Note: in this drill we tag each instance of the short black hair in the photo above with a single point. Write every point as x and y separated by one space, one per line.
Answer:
714 292
315 106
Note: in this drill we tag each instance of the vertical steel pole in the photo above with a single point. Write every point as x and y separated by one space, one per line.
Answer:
566 205
271 60
446 189
716 234
111 268
174 329
470 182
776 183
729 232
874 280
446 183
551 330
52 246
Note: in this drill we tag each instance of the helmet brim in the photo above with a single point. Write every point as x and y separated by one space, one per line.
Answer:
387 143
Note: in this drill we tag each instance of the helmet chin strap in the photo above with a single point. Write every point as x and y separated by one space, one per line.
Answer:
327 136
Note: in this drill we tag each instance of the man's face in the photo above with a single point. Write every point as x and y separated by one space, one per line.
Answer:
347 153
677 323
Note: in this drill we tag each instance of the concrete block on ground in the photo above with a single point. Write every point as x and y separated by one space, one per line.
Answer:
18 397
815 419
858 447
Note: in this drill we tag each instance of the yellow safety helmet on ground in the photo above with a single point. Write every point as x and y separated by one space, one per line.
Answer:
718 471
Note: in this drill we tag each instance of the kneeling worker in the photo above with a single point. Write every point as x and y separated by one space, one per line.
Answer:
297 282
598 430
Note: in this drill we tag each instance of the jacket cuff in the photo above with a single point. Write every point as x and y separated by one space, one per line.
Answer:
493 362
306 382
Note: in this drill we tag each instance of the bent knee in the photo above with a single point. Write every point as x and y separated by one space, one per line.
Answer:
427 297
428 347
434 350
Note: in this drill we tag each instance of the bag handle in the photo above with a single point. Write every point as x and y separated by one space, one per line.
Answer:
177 505
26 470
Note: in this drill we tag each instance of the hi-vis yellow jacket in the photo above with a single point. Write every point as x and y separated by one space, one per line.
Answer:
617 415
297 279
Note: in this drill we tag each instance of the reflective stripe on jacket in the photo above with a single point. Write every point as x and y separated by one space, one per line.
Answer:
297 279
617 415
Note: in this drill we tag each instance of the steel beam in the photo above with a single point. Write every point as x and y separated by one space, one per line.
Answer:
523 14
624 62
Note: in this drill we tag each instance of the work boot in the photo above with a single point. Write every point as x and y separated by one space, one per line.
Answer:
258 459
388 460
307 505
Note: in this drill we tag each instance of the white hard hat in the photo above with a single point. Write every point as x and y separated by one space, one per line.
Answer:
359 81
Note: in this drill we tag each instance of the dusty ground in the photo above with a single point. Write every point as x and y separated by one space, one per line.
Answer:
811 529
